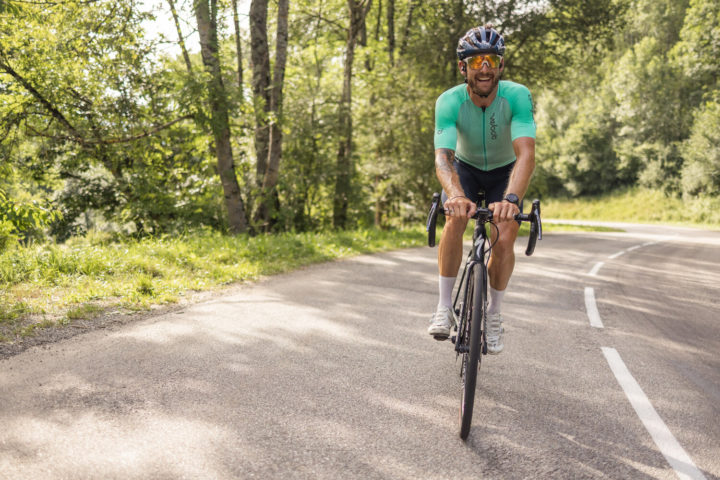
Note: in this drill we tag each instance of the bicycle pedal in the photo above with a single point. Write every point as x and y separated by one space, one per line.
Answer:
440 338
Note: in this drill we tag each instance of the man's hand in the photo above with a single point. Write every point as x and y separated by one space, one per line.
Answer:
459 206
503 211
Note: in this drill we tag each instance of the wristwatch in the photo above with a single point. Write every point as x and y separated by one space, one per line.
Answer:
512 198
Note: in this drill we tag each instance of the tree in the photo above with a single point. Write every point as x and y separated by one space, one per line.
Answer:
260 60
206 14
305 184
82 102
357 10
698 50
238 47
701 172
269 94
181 38
390 29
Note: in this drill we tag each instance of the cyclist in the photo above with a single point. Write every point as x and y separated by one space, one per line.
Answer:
484 140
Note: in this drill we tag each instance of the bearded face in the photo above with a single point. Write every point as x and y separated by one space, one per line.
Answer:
483 81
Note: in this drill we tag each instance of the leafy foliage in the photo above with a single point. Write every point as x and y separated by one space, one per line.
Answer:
701 173
652 124
100 128
21 221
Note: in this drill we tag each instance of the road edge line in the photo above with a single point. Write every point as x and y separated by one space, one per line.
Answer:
673 452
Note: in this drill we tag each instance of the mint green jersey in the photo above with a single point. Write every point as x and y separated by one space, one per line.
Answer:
482 137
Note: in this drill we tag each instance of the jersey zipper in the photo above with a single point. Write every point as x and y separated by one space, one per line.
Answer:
484 141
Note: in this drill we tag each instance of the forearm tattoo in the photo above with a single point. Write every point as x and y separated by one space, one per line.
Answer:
446 173
444 160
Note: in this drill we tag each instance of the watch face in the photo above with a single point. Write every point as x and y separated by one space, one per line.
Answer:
512 198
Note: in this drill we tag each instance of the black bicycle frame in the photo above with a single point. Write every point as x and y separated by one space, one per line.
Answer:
476 259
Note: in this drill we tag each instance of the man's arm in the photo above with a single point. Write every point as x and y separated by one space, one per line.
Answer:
446 173
524 166
519 178
457 204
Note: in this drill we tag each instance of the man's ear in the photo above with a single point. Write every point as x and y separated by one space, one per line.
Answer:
463 67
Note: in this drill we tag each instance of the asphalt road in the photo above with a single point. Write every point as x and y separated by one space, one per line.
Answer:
328 373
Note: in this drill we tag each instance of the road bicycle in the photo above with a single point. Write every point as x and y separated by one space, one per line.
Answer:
470 304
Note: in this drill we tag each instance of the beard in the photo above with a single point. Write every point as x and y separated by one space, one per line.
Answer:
484 89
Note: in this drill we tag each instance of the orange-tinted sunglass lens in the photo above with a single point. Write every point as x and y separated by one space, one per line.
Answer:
477 61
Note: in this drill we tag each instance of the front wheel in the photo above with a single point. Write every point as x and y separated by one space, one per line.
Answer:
471 338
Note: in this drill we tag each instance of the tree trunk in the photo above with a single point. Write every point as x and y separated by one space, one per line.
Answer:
181 39
238 48
391 30
344 165
378 24
269 199
206 15
406 30
260 58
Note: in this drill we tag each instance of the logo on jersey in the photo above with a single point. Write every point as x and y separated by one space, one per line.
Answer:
439 131
493 127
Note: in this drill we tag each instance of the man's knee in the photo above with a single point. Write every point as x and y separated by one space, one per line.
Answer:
505 244
455 227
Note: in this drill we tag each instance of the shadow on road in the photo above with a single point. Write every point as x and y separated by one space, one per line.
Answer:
328 372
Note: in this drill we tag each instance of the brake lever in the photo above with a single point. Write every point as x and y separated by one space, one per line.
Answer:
432 219
535 227
536 210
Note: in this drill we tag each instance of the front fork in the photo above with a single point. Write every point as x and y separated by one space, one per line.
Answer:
473 260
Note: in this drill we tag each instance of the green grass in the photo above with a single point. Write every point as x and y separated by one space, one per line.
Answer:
45 285
82 312
11 310
637 206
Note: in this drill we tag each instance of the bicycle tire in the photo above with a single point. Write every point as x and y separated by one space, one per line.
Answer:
475 297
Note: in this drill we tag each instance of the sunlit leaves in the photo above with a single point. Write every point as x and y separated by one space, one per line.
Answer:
701 175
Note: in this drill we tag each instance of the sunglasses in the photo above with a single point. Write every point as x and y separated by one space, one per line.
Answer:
477 61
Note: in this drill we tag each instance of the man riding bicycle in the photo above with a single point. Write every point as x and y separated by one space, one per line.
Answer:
484 141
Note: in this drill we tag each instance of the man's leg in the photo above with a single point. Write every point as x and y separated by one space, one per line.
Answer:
449 260
502 258
500 268
450 249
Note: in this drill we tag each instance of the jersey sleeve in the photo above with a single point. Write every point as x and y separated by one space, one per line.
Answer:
523 120
445 128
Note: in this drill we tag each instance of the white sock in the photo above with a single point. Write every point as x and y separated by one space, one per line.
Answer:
446 285
495 302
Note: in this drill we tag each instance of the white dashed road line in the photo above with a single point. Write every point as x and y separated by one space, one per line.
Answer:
599 265
596 268
676 456
591 308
